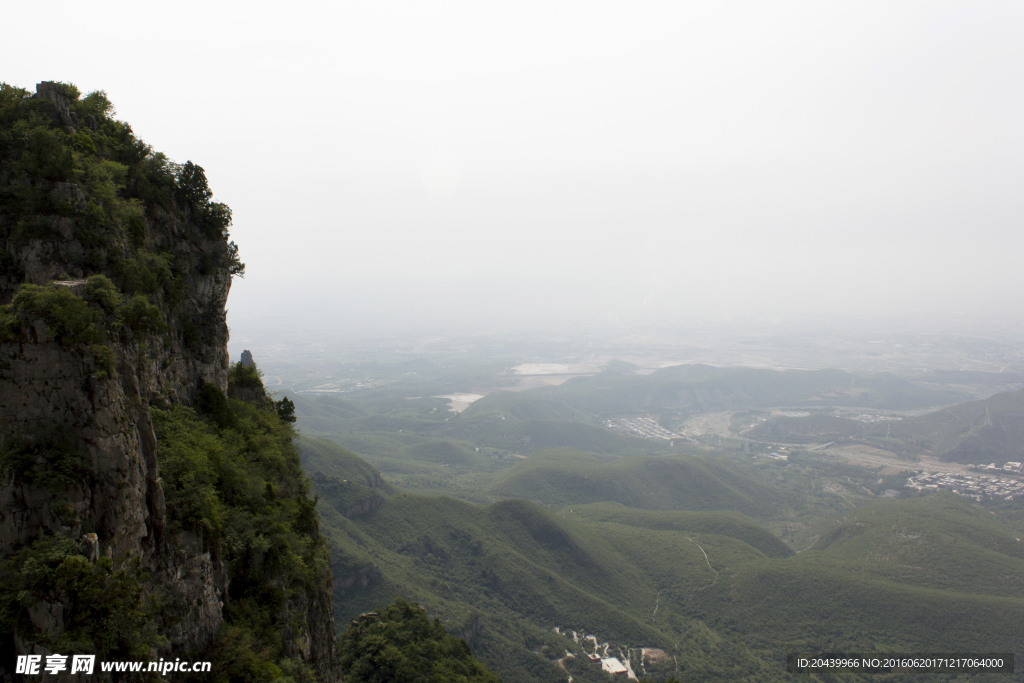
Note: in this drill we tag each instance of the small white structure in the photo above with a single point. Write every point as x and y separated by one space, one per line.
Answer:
612 665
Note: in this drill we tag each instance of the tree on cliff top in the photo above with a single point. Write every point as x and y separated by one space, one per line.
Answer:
400 644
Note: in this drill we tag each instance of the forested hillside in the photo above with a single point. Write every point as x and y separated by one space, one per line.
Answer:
723 596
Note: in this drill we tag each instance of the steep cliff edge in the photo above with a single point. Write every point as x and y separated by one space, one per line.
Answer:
115 267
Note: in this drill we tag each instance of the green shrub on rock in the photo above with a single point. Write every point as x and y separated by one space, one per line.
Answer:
105 606
69 319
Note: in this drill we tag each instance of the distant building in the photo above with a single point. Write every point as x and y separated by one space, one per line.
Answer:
612 665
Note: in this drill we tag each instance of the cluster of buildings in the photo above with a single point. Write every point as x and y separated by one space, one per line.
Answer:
646 427
612 665
600 656
971 486
1011 466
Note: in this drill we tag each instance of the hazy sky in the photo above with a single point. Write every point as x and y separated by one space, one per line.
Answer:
628 159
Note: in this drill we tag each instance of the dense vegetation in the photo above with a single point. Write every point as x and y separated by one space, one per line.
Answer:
118 184
107 609
400 644
231 473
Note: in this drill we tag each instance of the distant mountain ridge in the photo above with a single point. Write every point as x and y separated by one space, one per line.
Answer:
974 432
704 388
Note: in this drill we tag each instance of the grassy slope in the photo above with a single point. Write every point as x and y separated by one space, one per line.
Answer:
519 570
938 541
563 477
731 524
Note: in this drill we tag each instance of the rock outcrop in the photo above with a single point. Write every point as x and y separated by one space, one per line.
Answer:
50 90
79 406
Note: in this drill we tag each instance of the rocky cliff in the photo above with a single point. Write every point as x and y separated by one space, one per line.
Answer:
115 267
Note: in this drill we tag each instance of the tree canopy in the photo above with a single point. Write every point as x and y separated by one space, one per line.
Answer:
400 644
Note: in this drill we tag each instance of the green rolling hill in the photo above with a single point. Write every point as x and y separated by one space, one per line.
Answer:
563 477
817 427
930 574
939 541
327 457
975 432
731 524
721 595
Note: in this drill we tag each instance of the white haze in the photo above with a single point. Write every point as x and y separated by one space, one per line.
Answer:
390 162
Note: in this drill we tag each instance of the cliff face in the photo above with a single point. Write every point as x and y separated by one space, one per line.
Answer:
131 268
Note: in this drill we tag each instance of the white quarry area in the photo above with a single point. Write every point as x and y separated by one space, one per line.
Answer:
533 375
585 368
459 402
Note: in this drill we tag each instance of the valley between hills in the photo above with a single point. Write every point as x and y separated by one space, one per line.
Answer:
699 521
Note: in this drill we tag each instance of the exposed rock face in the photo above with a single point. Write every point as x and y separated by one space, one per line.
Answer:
368 505
471 630
50 90
50 389
361 579
249 388
348 497
46 386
